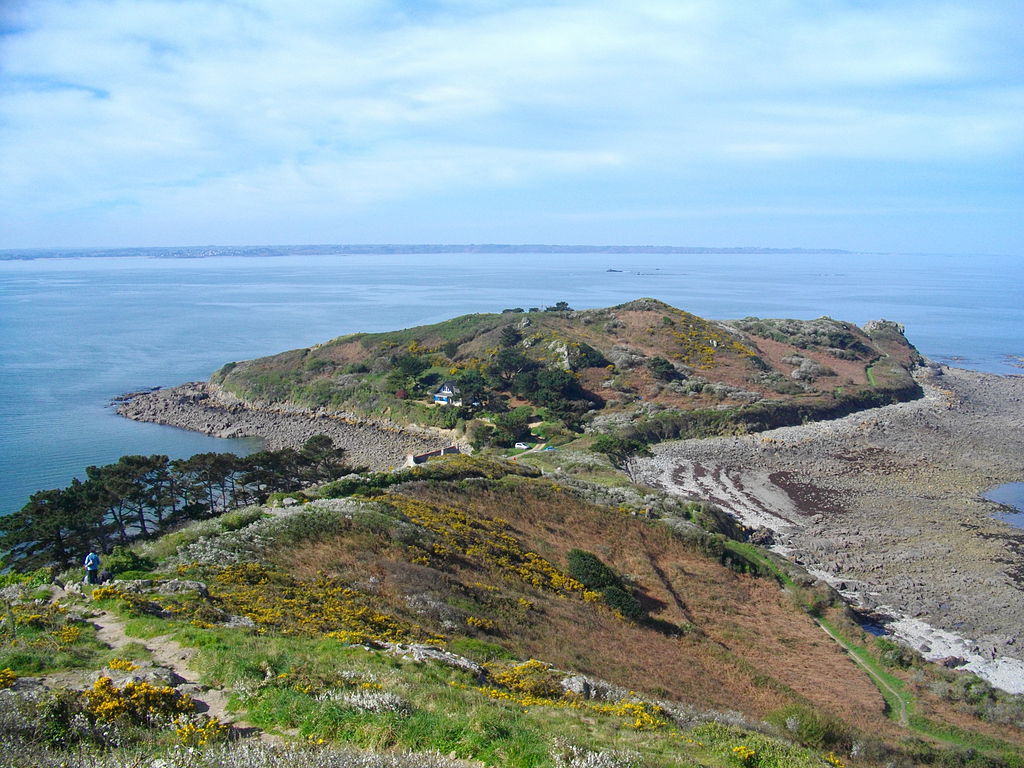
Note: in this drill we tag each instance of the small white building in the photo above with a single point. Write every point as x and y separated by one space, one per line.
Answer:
448 394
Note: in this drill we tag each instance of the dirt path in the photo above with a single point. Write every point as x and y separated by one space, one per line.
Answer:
168 653
903 716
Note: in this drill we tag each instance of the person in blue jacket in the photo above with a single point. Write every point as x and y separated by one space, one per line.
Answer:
92 568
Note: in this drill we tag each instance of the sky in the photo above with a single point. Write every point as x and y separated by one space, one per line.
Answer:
893 126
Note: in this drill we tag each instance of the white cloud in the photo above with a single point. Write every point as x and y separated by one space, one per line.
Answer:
358 103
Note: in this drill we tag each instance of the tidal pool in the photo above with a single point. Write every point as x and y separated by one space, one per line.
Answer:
1011 496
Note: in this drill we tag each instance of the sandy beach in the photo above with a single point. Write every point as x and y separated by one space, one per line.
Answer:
886 505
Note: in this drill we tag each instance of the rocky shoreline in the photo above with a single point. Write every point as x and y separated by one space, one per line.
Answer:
886 506
201 407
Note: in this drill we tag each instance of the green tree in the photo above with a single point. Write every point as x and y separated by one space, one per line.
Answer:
409 364
56 527
209 481
322 460
472 386
509 336
619 449
508 364
512 426
266 472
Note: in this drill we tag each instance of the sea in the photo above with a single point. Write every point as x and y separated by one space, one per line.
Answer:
77 332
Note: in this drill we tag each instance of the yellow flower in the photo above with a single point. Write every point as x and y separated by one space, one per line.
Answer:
7 677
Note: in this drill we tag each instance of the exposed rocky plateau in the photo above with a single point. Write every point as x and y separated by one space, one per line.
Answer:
201 407
886 505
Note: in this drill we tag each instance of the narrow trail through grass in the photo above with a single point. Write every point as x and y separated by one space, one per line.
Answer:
893 696
167 652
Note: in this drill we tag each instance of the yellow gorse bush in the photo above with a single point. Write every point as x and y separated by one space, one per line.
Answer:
532 677
640 715
192 735
699 340
487 542
7 677
51 618
277 601
534 684
68 634
478 623
124 665
140 703
107 593
745 755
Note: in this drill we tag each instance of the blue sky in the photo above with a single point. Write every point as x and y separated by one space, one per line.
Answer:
871 125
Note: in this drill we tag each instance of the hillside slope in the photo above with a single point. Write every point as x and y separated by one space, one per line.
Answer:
624 363
476 609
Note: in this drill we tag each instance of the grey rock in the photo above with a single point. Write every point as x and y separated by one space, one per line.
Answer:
592 688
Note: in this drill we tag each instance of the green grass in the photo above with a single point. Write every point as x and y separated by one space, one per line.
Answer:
894 701
959 737
944 732
457 329
285 679
34 649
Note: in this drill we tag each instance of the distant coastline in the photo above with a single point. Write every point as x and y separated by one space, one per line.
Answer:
211 251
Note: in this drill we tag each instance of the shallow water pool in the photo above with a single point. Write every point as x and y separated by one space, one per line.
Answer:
1011 496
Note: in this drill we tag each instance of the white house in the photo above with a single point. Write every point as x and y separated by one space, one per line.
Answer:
448 394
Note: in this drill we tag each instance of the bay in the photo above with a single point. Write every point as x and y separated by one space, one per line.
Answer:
75 333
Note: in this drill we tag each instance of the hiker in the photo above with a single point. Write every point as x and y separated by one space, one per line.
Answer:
92 568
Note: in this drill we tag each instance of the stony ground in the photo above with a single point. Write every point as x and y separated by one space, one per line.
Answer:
199 407
169 665
886 503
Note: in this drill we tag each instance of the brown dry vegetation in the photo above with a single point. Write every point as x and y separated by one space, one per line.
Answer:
716 638
847 371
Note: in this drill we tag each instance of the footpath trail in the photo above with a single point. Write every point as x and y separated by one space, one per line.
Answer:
170 654
902 713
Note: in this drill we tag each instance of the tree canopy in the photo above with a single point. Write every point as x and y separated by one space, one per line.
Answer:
140 496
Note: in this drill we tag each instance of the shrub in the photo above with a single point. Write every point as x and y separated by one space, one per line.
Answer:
662 369
588 569
893 654
812 728
239 518
123 559
623 602
533 678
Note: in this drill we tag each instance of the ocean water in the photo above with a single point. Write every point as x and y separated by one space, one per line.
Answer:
75 333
